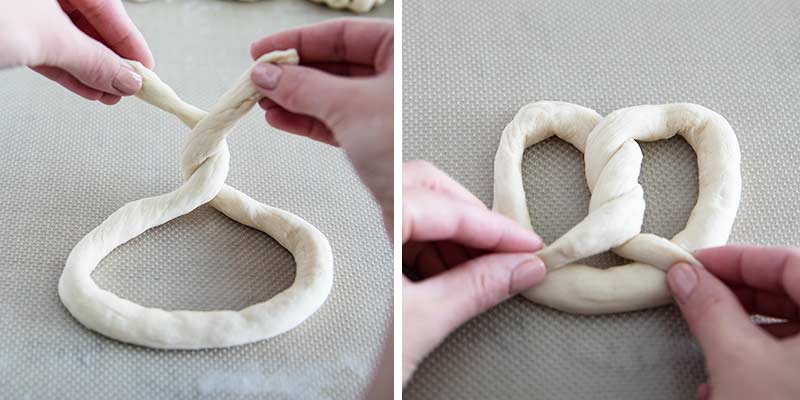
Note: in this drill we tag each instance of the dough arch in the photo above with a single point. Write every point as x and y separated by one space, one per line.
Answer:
205 167
616 210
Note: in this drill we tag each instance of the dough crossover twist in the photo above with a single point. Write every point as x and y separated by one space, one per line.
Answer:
205 166
616 209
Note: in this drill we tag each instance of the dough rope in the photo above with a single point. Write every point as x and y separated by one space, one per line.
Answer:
205 166
616 209
357 6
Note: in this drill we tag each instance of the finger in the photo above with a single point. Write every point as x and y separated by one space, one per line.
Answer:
301 125
410 252
358 41
430 217
68 81
83 24
446 255
474 253
781 330
713 313
703 392
109 99
765 303
421 173
412 249
306 91
410 275
92 63
451 253
111 22
469 289
429 262
772 269
344 69
266 103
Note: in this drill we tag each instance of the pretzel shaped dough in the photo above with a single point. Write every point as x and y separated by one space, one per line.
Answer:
616 209
205 166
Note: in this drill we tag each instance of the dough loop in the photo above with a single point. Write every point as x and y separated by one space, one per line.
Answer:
205 166
616 210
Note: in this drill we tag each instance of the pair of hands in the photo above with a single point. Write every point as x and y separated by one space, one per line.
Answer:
471 259
342 94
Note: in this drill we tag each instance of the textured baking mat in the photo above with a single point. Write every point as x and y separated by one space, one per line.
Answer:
469 66
69 163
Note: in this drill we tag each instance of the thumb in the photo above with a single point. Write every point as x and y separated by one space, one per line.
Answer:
714 314
473 287
92 63
307 91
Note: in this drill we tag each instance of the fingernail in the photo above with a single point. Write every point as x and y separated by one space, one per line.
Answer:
682 279
127 80
266 75
526 274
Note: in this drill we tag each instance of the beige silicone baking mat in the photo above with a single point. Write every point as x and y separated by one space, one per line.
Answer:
68 163
470 65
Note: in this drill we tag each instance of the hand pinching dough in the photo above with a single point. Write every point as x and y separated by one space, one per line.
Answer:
616 209
205 166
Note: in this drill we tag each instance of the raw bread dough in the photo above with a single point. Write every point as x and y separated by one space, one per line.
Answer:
357 6
616 210
205 166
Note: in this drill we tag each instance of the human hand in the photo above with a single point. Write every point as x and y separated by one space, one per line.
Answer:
744 360
341 94
469 257
77 43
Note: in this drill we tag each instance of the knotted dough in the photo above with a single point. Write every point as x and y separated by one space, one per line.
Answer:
205 166
616 209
